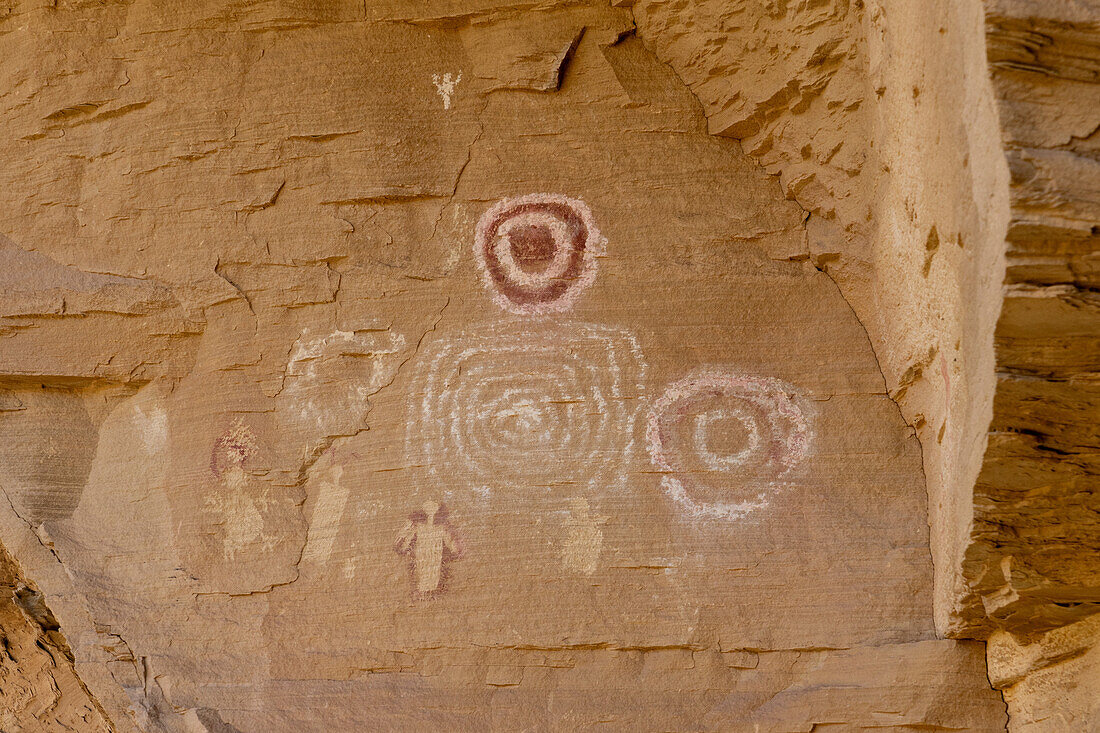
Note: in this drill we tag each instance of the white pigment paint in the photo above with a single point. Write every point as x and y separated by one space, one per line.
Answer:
152 425
445 86
777 439
717 462
503 249
513 406
583 537
240 514
321 368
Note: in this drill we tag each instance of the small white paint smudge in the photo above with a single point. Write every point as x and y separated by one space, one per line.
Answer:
455 246
350 566
445 86
153 426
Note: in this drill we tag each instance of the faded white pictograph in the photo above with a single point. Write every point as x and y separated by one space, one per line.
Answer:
321 367
538 252
351 565
523 406
583 537
445 86
324 523
726 441
240 504
430 543
152 425
722 462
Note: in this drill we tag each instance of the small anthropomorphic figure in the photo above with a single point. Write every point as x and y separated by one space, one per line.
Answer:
584 537
428 540
445 86
240 504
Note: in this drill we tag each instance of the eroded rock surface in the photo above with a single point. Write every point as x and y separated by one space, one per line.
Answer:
1033 562
1050 682
973 213
39 689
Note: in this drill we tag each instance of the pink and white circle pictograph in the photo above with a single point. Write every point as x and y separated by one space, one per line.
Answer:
726 441
538 252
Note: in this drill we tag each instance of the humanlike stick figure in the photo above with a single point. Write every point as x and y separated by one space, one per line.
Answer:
584 537
428 540
240 507
445 86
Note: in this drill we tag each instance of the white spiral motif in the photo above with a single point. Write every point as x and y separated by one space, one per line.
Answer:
522 408
726 441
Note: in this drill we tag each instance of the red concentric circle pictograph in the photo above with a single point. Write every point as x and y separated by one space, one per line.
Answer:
726 441
538 252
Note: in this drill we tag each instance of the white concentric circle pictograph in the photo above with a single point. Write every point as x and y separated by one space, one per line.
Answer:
537 252
520 408
726 441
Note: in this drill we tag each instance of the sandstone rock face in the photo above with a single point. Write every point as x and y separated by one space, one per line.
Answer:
1033 563
897 158
39 690
412 365
1050 683
1032 567
939 245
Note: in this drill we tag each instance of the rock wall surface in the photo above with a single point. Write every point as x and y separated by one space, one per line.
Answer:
40 691
459 364
971 276
1032 565
880 121
449 373
1050 683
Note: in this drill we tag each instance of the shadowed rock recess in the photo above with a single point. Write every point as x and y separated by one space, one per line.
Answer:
477 365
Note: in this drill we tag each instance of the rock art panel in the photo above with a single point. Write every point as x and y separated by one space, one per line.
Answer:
726 441
322 187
